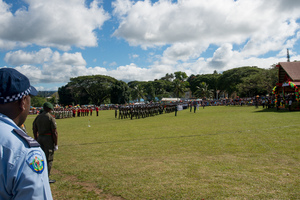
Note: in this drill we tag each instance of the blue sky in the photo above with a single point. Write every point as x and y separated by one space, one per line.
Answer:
53 41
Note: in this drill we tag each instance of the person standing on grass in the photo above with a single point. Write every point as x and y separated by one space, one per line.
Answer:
290 104
74 112
23 171
45 132
195 106
97 111
263 103
91 111
82 111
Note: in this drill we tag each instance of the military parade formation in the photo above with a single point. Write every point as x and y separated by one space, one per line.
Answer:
128 111
142 110
139 111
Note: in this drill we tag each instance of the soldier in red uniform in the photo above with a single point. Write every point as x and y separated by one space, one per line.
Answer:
82 112
97 110
74 112
86 112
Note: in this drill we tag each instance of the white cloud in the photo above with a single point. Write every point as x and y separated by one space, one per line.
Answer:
221 57
190 26
46 66
129 72
112 64
183 52
133 72
52 23
178 34
54 73
133 56
43 56
42 88
121 7
6 45
22 58
74 59
164 22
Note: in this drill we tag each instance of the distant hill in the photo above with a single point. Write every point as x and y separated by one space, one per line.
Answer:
46 93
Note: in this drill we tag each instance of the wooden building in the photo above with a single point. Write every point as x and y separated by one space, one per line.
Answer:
288 86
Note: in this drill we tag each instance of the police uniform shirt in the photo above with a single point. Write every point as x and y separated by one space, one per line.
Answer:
23 168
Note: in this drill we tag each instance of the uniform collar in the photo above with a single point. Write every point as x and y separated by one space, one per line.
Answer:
8 120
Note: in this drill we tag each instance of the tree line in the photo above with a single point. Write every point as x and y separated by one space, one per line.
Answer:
101 89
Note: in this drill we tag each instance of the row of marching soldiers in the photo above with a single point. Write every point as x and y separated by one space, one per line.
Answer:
143 110
60 113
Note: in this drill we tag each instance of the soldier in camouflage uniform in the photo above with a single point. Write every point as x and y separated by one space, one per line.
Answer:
116 112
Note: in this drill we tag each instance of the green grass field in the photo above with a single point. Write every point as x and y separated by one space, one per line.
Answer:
215 153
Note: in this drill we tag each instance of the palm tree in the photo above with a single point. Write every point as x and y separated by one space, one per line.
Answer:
139 92
179 88
203 91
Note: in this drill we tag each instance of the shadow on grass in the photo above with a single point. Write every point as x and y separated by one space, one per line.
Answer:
274 110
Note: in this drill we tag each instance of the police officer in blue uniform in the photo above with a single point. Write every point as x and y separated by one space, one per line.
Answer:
23 168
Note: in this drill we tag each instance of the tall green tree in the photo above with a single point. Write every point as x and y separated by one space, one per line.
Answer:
120 93
179 88
66 96
137 90
180 85
149 91
37 101
210 79
258 84
91 89
229 80
168 77
104 89
204 91
162 88
180 76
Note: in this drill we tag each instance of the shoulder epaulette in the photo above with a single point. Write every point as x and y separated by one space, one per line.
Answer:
30 141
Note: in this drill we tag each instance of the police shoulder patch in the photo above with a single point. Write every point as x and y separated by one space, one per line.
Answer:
35 161
31 142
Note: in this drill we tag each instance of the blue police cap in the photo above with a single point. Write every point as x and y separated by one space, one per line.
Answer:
14 85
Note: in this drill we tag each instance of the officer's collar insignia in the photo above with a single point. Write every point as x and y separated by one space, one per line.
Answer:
35 161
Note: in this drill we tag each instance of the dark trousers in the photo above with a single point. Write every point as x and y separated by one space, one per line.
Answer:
47 146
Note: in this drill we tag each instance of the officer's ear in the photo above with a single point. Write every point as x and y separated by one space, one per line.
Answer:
23 102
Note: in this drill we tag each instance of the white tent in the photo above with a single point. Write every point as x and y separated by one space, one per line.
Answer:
170 99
